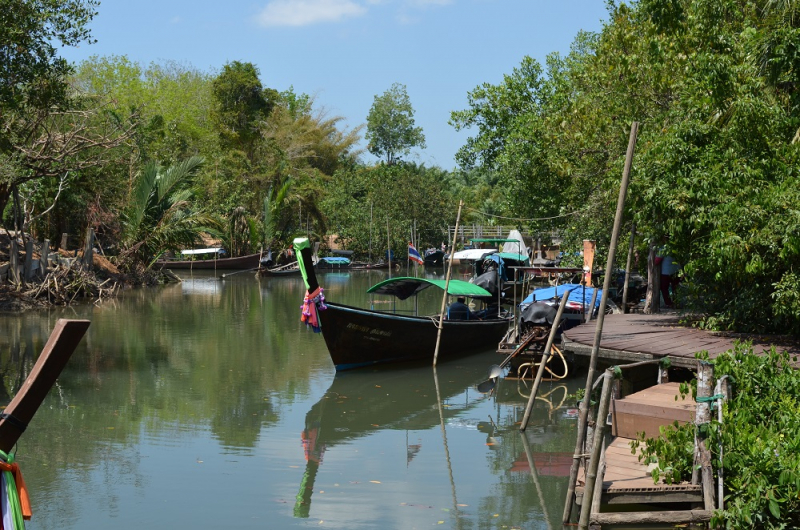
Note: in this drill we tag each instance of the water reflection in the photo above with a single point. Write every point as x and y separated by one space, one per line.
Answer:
208 404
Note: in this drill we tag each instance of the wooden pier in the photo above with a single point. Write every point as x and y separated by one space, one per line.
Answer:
640 337
619 484
626 479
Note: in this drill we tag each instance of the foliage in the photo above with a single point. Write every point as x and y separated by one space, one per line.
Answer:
760 436
714 86
390 125
31 73
161 216
241 103
273 207
363 203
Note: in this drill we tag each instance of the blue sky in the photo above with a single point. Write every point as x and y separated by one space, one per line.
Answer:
345 52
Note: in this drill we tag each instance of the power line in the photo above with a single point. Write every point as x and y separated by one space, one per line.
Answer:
576 212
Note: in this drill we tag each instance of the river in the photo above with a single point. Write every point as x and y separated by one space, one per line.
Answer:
207 404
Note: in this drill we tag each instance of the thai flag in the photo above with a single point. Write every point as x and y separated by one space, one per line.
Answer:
413 254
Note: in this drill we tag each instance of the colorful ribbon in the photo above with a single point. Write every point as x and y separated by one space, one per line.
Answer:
14 500
313 302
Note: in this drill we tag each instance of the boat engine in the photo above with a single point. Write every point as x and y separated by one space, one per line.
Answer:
536 319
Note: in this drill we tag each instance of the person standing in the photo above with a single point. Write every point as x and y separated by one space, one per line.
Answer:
669 279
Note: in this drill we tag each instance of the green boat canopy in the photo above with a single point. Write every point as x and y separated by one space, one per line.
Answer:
405 287
515 256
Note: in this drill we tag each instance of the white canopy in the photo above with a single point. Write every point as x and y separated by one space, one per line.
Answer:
472 254
515 248
203 251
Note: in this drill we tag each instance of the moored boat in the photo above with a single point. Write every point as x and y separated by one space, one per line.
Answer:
290 269
250 261
333 263
362 337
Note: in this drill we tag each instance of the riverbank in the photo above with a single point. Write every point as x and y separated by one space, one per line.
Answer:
64 278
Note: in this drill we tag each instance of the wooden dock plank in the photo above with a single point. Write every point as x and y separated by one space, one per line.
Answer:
638 337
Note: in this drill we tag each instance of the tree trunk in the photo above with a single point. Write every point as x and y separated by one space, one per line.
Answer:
5 194
652 302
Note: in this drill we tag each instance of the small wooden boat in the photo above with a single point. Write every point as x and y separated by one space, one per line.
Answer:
290 269
434 257
251 261
333 263
362 337
359 266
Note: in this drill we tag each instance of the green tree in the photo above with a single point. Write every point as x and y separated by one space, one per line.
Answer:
390 125
713 85
162 216
360 201
241 104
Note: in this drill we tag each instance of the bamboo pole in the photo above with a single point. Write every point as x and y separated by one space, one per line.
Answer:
535 476
597 447
597 497
584 408
446 286
543 362
628 269
389 247
446 449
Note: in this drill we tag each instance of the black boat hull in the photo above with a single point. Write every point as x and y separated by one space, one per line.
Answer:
359 337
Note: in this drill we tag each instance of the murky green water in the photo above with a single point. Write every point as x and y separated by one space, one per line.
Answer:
208 405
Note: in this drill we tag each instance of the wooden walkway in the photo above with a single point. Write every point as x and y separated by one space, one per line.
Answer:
639 337
627 480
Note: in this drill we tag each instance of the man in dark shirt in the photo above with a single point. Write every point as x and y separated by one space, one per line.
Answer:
458 310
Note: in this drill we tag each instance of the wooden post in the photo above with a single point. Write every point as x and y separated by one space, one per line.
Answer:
88 250
62 342
446 286
28 270
702 411
702 456
663 374
543 362
584 408
588 260
591 306
628 269
45 256
13 259
64 241
597 446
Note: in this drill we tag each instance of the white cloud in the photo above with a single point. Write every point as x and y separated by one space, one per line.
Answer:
425 3
306 12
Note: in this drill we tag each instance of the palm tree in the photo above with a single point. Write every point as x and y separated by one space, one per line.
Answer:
162 216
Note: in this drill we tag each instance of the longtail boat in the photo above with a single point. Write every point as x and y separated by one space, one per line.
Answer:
14 501
250 261
363 337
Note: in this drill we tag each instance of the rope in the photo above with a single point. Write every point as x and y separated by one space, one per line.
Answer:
16 505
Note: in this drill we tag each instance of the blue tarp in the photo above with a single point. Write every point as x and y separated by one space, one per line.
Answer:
576 294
